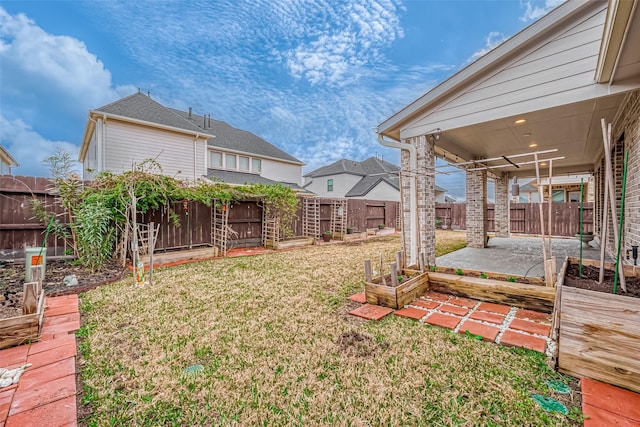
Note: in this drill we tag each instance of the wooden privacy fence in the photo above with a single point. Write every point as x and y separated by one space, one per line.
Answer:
18 227
524 217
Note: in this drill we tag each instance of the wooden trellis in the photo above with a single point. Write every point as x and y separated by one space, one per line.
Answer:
311 217
338 217
270 232
219 226
143 238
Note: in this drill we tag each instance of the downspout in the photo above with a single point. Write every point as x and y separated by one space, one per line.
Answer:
103 142
413 200
95 123
195 157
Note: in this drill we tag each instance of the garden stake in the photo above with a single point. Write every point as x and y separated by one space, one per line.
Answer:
618 264
580 265
606 136
547 278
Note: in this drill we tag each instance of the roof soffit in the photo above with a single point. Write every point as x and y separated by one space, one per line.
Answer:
505 53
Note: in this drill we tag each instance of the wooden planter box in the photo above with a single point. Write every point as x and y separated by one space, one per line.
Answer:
398 296
497 290
22 329
356 235
598 333
293 243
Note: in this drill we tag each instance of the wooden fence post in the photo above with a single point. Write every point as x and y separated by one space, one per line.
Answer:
29 298
367 270
399 260
394 274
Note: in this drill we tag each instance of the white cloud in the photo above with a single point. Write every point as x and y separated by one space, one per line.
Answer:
491 42
29 148
336 55
42 64
533 11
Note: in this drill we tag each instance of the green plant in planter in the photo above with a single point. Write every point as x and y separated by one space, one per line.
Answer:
459 272
399 278
512 279
433 268
380 226
483 276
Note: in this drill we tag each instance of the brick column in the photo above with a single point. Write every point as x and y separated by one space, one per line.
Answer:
476 209
501 210
425 193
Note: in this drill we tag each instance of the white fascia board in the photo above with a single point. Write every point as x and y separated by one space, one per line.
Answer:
492 59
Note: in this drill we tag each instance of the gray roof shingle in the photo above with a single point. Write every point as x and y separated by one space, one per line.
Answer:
242 178
143 107
228 137
372 170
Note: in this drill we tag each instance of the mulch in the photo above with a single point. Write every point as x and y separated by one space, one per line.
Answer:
12 277
589 281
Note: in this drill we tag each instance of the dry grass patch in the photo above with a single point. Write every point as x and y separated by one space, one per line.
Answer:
449 241
276 349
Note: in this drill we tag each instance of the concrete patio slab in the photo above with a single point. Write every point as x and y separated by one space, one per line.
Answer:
521 256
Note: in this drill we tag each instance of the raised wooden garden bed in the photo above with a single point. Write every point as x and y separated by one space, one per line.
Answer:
496 288
22 329
293 243
398 296
597 332
356 235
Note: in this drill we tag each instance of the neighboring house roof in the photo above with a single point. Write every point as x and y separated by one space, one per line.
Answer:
529 187
449 199
372 170
7 158
230 138
371 166
368 183
241 178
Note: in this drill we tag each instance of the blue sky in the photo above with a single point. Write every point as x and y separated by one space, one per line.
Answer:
313 77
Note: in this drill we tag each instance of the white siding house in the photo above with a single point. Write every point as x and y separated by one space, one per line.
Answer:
6 162
187 146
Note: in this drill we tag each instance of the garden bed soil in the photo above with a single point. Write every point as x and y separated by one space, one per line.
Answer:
12 282
492 276
590 276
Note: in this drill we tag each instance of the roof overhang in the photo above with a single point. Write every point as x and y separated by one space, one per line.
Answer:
570 122
94 115
7 158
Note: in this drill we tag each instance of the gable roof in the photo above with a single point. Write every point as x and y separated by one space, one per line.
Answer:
7 158
144 108
368 183
231 138
370 166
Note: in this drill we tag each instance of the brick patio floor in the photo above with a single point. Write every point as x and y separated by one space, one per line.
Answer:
602 404
510 326
46 393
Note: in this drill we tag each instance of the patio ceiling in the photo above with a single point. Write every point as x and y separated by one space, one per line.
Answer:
573 129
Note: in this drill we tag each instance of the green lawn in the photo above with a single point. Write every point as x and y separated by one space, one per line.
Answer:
278 348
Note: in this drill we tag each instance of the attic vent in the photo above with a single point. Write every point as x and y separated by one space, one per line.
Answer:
149 94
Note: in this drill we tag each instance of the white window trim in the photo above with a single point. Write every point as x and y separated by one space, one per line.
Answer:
237 165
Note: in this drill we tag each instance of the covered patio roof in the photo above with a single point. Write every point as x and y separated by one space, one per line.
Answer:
561 75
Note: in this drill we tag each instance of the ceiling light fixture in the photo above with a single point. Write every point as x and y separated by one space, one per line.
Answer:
526 134
520 121
533 144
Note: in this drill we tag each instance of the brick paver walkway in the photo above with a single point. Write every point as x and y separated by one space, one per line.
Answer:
502 324
46 393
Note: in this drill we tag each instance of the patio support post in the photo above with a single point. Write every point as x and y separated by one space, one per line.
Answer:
501 210
425 198
477 208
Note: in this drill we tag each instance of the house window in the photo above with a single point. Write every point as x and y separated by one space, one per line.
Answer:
557 196
230 161
330 185
256 165
574 196
215 159
243 163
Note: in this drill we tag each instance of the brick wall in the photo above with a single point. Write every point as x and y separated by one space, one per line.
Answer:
477 209
627 122
501 210
426 203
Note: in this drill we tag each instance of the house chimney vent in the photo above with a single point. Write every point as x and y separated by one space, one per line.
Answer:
149 93
189 112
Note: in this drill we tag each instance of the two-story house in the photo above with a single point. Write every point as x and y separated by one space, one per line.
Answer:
186 145
371 179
